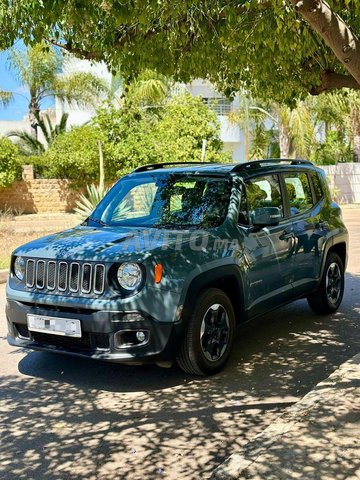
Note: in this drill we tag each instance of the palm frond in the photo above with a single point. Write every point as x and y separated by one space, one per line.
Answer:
62 125
27 142
41 124
81 88
6 98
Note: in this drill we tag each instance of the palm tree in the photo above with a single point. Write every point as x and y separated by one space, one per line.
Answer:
33 146
340 112
295 128
39 69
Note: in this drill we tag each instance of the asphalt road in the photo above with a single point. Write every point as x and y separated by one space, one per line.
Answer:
67 418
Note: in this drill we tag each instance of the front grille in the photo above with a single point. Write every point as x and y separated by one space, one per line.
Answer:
88 341
63 276
70 343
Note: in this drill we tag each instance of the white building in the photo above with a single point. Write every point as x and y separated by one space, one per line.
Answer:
231 134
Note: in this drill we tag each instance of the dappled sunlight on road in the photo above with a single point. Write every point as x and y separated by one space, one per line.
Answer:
74 418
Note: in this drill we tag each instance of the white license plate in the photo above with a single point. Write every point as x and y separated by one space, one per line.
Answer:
56 326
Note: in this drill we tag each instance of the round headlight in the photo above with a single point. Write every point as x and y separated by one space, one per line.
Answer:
19 267
129 276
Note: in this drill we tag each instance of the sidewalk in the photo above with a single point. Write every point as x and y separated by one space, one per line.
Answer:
318 438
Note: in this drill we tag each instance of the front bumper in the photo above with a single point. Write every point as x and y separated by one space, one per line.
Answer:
101 331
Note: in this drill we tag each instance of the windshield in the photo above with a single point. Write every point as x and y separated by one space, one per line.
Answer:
165 201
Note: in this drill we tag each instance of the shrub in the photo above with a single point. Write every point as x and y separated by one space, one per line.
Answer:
334 150
37 161
185 123
9 165
74 155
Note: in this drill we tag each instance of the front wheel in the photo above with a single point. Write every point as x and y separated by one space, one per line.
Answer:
328 296
209 335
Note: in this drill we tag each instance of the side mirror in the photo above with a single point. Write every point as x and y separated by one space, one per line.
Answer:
266 216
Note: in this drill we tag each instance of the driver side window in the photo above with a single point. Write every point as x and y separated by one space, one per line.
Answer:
264 192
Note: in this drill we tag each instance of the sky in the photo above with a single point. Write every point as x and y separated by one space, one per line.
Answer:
18 108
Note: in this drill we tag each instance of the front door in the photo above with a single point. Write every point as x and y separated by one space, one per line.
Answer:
267 251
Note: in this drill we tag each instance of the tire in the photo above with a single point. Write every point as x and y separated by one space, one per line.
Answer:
209 334
328 297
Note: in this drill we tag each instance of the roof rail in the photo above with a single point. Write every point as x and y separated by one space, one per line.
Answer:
155 166
259 163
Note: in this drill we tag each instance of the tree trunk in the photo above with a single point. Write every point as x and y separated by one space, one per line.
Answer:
284 141
334 31
34 111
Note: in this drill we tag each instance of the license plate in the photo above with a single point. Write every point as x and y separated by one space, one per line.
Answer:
56 326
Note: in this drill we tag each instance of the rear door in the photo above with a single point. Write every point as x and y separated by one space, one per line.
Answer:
304 209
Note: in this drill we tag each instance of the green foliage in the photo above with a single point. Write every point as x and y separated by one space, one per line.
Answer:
263 45
261 140
185 123
334 150
37 161
9 165
129 139
175 132
149 89
74 155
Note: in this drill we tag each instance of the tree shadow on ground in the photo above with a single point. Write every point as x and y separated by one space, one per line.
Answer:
65 417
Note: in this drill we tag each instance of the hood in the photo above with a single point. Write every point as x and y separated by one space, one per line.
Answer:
106 244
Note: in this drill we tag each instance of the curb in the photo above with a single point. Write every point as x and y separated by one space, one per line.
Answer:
4 275
235 467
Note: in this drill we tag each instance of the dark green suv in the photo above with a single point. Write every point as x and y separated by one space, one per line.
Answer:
174 257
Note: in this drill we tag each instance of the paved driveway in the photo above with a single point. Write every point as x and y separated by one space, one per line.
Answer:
67 418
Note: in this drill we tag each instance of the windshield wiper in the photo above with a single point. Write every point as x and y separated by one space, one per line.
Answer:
96 220
174 225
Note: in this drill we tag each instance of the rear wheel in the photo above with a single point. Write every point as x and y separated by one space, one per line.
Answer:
328 296
209 335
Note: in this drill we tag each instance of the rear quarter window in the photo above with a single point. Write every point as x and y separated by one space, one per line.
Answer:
318 189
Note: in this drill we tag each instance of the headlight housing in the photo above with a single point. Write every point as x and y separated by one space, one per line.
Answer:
129 276
19 268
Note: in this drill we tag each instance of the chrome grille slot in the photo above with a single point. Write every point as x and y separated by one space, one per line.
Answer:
30 273
62 276
40 274
74 277
86 278
51 275
99 279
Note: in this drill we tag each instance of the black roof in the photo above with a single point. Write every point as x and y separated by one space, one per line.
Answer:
244 169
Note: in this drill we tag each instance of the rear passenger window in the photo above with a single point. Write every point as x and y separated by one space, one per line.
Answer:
317 186
298 192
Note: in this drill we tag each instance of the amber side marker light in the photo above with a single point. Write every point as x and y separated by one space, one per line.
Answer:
158 273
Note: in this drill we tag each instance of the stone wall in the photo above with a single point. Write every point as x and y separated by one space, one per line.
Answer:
344 181
31 195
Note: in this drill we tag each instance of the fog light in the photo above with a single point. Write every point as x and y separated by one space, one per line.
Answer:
141 336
